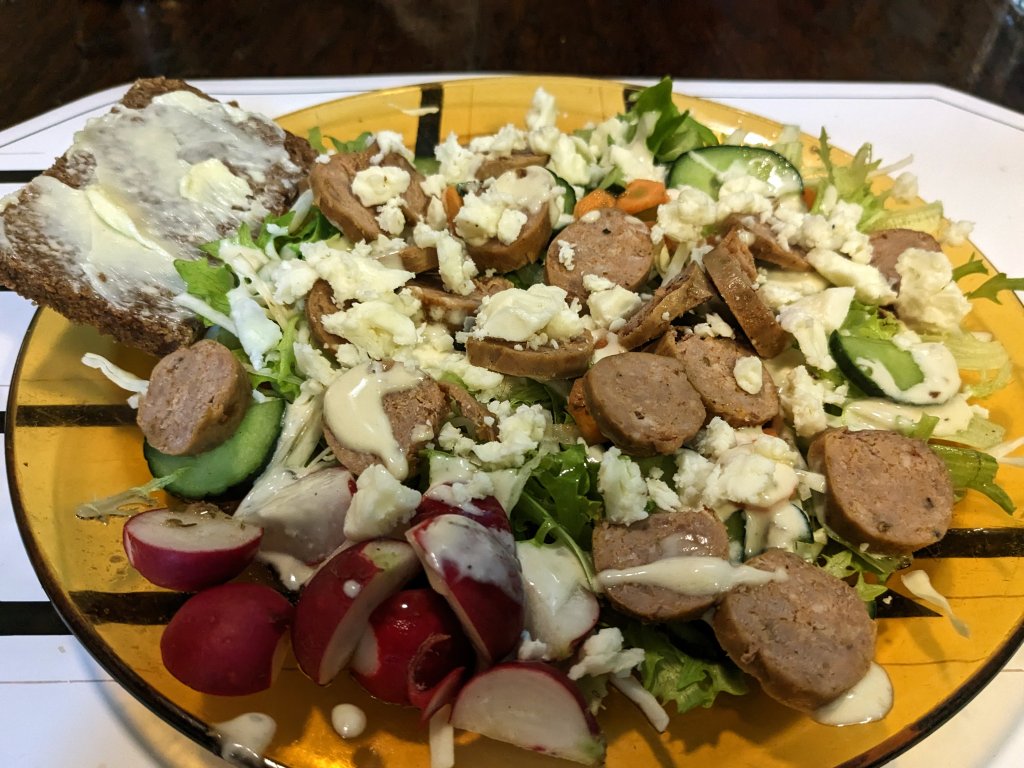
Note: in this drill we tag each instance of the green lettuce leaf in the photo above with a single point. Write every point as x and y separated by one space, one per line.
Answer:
207 281
674 133
970 469
681 664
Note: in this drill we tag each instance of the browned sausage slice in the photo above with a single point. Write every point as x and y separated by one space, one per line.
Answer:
451 309
888 244
755 318
765 246
672 299
807 639
661 535
643 403
613 245
320 302
416 259
710 366
568 360
331 183
495 165
470 413
883 489
408 412
494 254
196 399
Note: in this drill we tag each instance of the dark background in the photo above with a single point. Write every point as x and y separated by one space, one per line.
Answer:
54 51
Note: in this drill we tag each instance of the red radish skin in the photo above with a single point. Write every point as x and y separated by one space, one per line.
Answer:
228 640
487 511
189 550
476 570
430 699
335 605
412 634
531 705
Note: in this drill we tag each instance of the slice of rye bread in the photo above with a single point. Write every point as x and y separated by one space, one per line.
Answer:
46 268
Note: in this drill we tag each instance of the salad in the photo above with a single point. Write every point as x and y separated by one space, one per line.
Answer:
580 409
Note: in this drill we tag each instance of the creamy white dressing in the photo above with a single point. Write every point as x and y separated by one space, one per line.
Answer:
472 550
354 411
291 572
938 366
869 700
351 588
920 585
348 720
871 413
244 739
690 575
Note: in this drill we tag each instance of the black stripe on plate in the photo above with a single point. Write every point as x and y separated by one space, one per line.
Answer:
30 618
893 605
140 608
3 422
428 131
627 95
977 542
17 177
74 415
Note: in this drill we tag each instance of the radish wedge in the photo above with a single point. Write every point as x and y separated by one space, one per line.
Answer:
189 550
531 705
335 605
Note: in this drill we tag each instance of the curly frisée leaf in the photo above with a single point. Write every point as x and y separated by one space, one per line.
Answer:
127 502
672 674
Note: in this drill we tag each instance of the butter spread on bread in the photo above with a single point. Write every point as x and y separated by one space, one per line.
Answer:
168 169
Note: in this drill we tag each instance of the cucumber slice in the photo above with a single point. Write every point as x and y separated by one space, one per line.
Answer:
702 168
428 166
846 350
569 198
231 463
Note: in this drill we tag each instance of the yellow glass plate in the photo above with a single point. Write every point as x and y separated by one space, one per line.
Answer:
70 438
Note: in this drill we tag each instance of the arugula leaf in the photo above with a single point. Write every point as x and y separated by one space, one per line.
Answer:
973 266
999 282
357 144
525 276
848 562
275 229
207 281
555 505
975 470
531 392
673 672
674 133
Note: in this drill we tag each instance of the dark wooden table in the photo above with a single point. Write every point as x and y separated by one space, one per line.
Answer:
54 51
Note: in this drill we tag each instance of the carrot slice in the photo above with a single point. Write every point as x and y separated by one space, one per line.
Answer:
577 408
592 201
810 193
452 202
642 195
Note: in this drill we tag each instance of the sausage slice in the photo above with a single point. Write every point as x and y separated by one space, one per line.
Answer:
495 165
470 413
615 246
710 364
568 360
451 309
320 302
660 535
755 318
765 246
496 255
888 244
197 397
415 415
643 403
806 639
883 489
682 293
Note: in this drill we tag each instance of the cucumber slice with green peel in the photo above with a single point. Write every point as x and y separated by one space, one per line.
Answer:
569 198
233 462
703 168
846 350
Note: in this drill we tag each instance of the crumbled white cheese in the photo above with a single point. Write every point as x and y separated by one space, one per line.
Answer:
749 374
380 505
542 111
813 318
603 654
803 399
929 300
715 439
379 183
714 326
566 254
292 279
390 142
457 163
535 315
391 217
622 485
685 215
380 326
612 305
870 285
692 472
